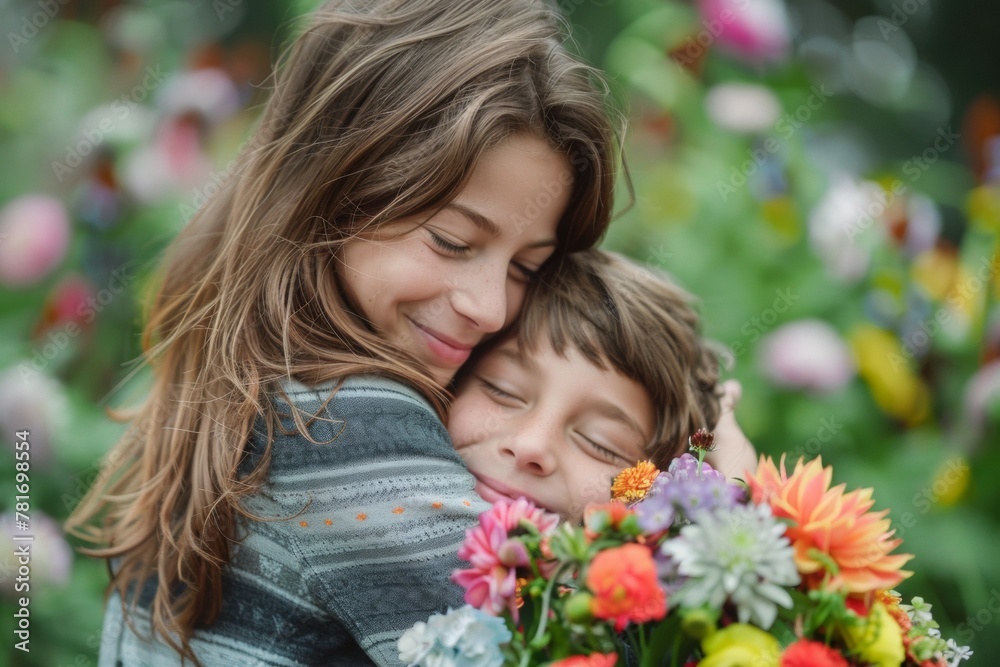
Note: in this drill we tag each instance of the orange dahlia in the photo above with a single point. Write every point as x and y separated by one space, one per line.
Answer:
632 484
838 543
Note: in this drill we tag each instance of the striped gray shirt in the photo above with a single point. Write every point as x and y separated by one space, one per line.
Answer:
362 541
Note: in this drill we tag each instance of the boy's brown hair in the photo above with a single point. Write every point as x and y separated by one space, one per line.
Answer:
639 322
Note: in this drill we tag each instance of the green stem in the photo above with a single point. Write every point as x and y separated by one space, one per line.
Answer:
546 598
676 650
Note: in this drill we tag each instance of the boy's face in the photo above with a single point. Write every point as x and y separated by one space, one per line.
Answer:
555 430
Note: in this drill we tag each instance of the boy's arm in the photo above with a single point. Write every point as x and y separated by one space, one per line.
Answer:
734 454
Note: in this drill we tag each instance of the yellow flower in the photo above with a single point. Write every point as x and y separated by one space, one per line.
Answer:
739 645
878 640
885 365
632 484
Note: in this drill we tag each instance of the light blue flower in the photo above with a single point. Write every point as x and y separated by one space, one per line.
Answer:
740 554
466 637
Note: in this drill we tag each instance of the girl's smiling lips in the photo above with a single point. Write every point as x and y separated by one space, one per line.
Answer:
446 349
492 490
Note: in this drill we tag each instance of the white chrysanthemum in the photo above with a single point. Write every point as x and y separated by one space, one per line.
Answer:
466 637
741 555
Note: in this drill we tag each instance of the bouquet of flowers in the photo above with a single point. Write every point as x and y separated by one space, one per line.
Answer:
684 568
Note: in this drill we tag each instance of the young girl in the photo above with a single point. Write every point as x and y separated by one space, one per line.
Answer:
288 494
606 367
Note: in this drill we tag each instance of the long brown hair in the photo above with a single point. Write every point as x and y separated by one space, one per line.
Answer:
380 109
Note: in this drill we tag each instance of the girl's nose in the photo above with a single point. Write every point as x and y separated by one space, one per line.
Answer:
481 296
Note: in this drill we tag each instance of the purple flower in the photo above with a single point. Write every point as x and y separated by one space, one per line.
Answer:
684 490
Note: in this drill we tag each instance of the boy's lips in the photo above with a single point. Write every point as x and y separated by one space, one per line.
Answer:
492 490
445 348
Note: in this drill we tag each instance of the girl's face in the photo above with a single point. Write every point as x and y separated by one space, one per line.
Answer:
553 429
439 288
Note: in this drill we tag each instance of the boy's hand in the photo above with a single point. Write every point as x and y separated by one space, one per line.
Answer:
733 454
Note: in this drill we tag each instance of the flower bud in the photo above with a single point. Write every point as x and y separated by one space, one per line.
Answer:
578 607
703 440
698 623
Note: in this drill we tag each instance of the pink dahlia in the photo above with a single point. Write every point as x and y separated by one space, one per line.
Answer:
495 553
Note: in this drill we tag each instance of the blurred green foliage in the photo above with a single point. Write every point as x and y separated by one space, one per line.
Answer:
738 220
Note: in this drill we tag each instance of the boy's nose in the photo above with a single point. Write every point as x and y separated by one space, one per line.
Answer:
531 445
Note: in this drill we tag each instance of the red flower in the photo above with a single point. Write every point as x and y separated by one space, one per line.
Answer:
592 660
625 586
608 516
807 653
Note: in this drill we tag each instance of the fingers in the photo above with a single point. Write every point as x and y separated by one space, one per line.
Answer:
732 392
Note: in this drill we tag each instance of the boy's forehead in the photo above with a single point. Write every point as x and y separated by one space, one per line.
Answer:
513 350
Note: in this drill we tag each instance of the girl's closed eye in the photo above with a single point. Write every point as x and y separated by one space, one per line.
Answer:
527 274
447 246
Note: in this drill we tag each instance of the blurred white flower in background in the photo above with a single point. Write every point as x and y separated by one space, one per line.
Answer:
742 107
31 400
845 224
51 555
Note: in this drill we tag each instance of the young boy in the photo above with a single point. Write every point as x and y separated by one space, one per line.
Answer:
605 367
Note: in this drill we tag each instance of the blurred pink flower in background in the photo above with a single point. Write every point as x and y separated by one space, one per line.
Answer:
807 354
757 30
51 555
34 238
191 103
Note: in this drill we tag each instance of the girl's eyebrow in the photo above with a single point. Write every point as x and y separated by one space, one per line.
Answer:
477 218
487 225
